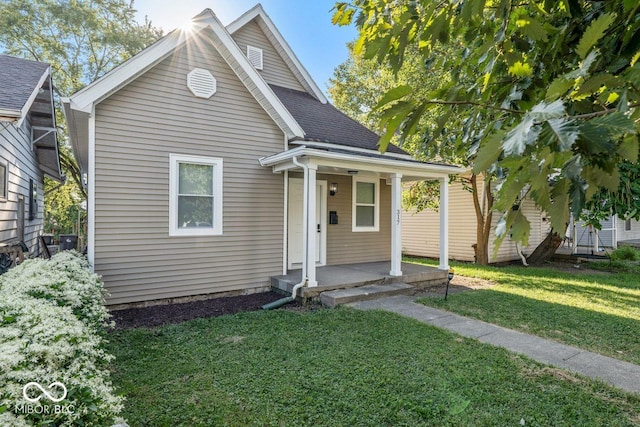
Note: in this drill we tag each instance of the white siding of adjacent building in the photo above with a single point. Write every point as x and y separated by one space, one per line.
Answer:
420 231
623 234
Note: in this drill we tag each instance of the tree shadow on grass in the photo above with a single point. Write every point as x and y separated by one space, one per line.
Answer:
596 331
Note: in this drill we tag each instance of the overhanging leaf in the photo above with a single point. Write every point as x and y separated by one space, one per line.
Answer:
520 227
557 88
520 69
520 136
560 133
593 33
594 139
544 111
393 95
559 208
488 153
532 29
577 196
628 148
594 84
615 124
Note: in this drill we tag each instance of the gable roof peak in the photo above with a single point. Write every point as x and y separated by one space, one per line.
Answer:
205 14
258 13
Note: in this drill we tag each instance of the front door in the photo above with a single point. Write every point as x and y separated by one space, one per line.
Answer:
294 230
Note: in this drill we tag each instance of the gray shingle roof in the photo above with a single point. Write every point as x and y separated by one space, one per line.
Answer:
325 123
18 79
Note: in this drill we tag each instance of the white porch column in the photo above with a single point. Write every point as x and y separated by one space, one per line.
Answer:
444 224
396 226
312 226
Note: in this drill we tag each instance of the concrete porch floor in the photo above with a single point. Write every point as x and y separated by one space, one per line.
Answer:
354 275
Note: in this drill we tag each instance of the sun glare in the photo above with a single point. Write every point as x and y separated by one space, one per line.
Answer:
186 26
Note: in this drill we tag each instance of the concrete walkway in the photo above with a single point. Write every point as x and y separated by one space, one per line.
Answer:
623 375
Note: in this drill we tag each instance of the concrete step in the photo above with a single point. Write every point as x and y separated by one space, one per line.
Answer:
364 293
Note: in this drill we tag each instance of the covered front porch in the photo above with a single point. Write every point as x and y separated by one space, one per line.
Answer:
347 276
364 219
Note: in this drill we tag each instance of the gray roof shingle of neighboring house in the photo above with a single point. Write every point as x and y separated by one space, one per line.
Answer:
18 79
325 123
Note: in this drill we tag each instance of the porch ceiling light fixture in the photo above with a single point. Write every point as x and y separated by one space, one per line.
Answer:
352 172
333 188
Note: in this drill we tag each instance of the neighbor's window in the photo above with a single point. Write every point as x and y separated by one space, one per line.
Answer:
627 225
4 181
366 204
195 199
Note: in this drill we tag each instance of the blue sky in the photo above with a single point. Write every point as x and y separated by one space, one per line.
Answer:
305 24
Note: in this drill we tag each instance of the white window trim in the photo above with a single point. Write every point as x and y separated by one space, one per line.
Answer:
376 219
174 161
5 196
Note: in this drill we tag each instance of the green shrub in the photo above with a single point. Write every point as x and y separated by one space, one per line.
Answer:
52 319
625 253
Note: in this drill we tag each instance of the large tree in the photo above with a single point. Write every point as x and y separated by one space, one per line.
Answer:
357 87
544 93
82 40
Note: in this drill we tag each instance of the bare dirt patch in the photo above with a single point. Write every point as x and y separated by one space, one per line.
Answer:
459 284
576 268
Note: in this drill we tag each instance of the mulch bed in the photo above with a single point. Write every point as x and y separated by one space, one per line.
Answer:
157 315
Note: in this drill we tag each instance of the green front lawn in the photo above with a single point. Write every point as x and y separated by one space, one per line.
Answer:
344 367
594 310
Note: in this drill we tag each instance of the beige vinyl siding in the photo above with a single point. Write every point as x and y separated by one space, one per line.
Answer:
343 245
136 130
421 231
17 155
275 70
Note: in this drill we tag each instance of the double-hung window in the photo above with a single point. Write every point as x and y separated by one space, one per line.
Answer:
366 204
4 181
195 196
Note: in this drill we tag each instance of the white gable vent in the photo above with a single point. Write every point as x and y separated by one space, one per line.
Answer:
201 83
255 56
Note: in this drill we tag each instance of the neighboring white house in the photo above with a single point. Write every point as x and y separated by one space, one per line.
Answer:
28 148
613 232
421 231
214 162
420 235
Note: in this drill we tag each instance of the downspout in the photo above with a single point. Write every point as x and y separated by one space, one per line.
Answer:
305 222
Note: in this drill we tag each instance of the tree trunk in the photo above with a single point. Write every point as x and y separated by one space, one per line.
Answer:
545 249
483 218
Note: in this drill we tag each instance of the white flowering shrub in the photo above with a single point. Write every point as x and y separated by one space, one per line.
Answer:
52 320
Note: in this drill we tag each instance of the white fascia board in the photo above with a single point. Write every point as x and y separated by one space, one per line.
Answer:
285 155
349 148
86 98
91 189
294 129
258 11
27 105
325 158
75 120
